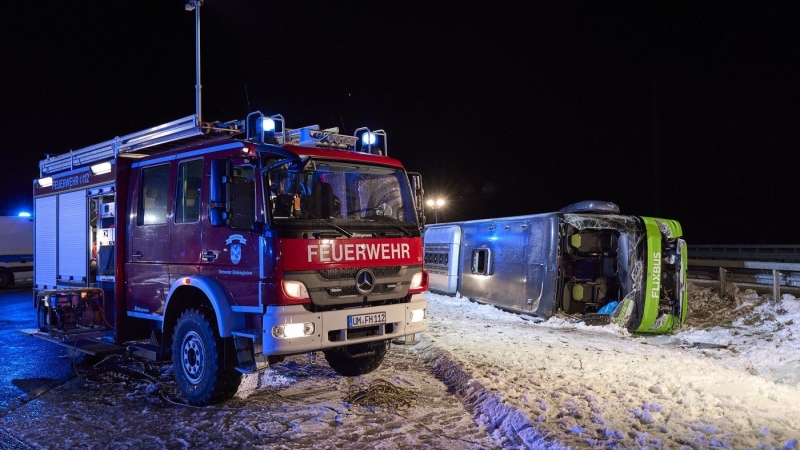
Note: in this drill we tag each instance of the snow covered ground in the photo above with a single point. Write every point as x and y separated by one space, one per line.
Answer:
479 378
732 380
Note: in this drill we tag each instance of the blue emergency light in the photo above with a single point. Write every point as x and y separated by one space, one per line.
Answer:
267 125
373 142
264 128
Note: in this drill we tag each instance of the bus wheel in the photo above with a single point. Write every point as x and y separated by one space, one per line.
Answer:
197 360
6 278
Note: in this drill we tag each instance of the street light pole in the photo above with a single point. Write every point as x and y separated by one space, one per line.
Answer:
436 204
194 5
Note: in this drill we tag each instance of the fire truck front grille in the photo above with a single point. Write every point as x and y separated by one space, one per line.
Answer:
351 290
336 288
350 273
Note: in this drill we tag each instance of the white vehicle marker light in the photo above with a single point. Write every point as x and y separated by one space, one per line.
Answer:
101 168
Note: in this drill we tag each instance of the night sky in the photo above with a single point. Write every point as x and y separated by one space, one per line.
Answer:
682 110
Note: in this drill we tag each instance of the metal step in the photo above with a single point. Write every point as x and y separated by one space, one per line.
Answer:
96 344
251 333
146 351
95 347
259 365
247 369
247 342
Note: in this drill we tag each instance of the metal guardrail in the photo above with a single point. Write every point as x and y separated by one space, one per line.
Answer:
763 268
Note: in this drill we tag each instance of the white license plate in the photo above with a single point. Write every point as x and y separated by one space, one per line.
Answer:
365 320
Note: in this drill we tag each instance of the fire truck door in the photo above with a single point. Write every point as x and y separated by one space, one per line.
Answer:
149 245
186 232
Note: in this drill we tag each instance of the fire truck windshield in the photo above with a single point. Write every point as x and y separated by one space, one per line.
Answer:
332 190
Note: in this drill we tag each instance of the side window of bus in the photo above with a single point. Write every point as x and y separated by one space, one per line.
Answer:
482 262
187 198
153 195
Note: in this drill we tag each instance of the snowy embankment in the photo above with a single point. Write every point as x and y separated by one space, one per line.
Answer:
562 384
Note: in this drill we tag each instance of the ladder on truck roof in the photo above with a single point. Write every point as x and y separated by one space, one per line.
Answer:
176 132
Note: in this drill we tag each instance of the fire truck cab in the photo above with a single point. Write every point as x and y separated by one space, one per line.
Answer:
225 247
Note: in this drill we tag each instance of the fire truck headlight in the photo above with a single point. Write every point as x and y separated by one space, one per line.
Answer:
295 289
293 330
418 315
416 281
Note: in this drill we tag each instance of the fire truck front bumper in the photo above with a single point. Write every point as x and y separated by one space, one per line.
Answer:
293 329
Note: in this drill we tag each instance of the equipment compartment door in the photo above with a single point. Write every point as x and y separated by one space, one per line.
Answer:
45 242
73 254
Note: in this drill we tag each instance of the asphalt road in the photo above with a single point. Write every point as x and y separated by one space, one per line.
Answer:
128 404
29 365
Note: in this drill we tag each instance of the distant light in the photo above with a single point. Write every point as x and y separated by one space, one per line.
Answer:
436 205
45 182
24 214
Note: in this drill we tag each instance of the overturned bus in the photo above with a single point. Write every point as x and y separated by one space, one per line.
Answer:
586 260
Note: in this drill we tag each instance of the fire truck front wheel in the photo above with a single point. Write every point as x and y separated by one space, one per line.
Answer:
197 353
358 359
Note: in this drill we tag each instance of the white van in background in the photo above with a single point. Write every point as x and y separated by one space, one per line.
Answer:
16 250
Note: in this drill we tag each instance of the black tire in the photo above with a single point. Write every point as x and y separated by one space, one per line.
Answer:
369 359
6 278
197 359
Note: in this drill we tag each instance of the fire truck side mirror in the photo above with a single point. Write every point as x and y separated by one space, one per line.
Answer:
217 214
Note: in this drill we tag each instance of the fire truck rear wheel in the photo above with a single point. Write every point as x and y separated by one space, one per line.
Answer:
197 352
347 365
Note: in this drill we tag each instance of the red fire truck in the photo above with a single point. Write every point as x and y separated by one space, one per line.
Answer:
225 247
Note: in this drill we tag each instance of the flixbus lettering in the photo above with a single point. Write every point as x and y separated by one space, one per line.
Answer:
656 274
